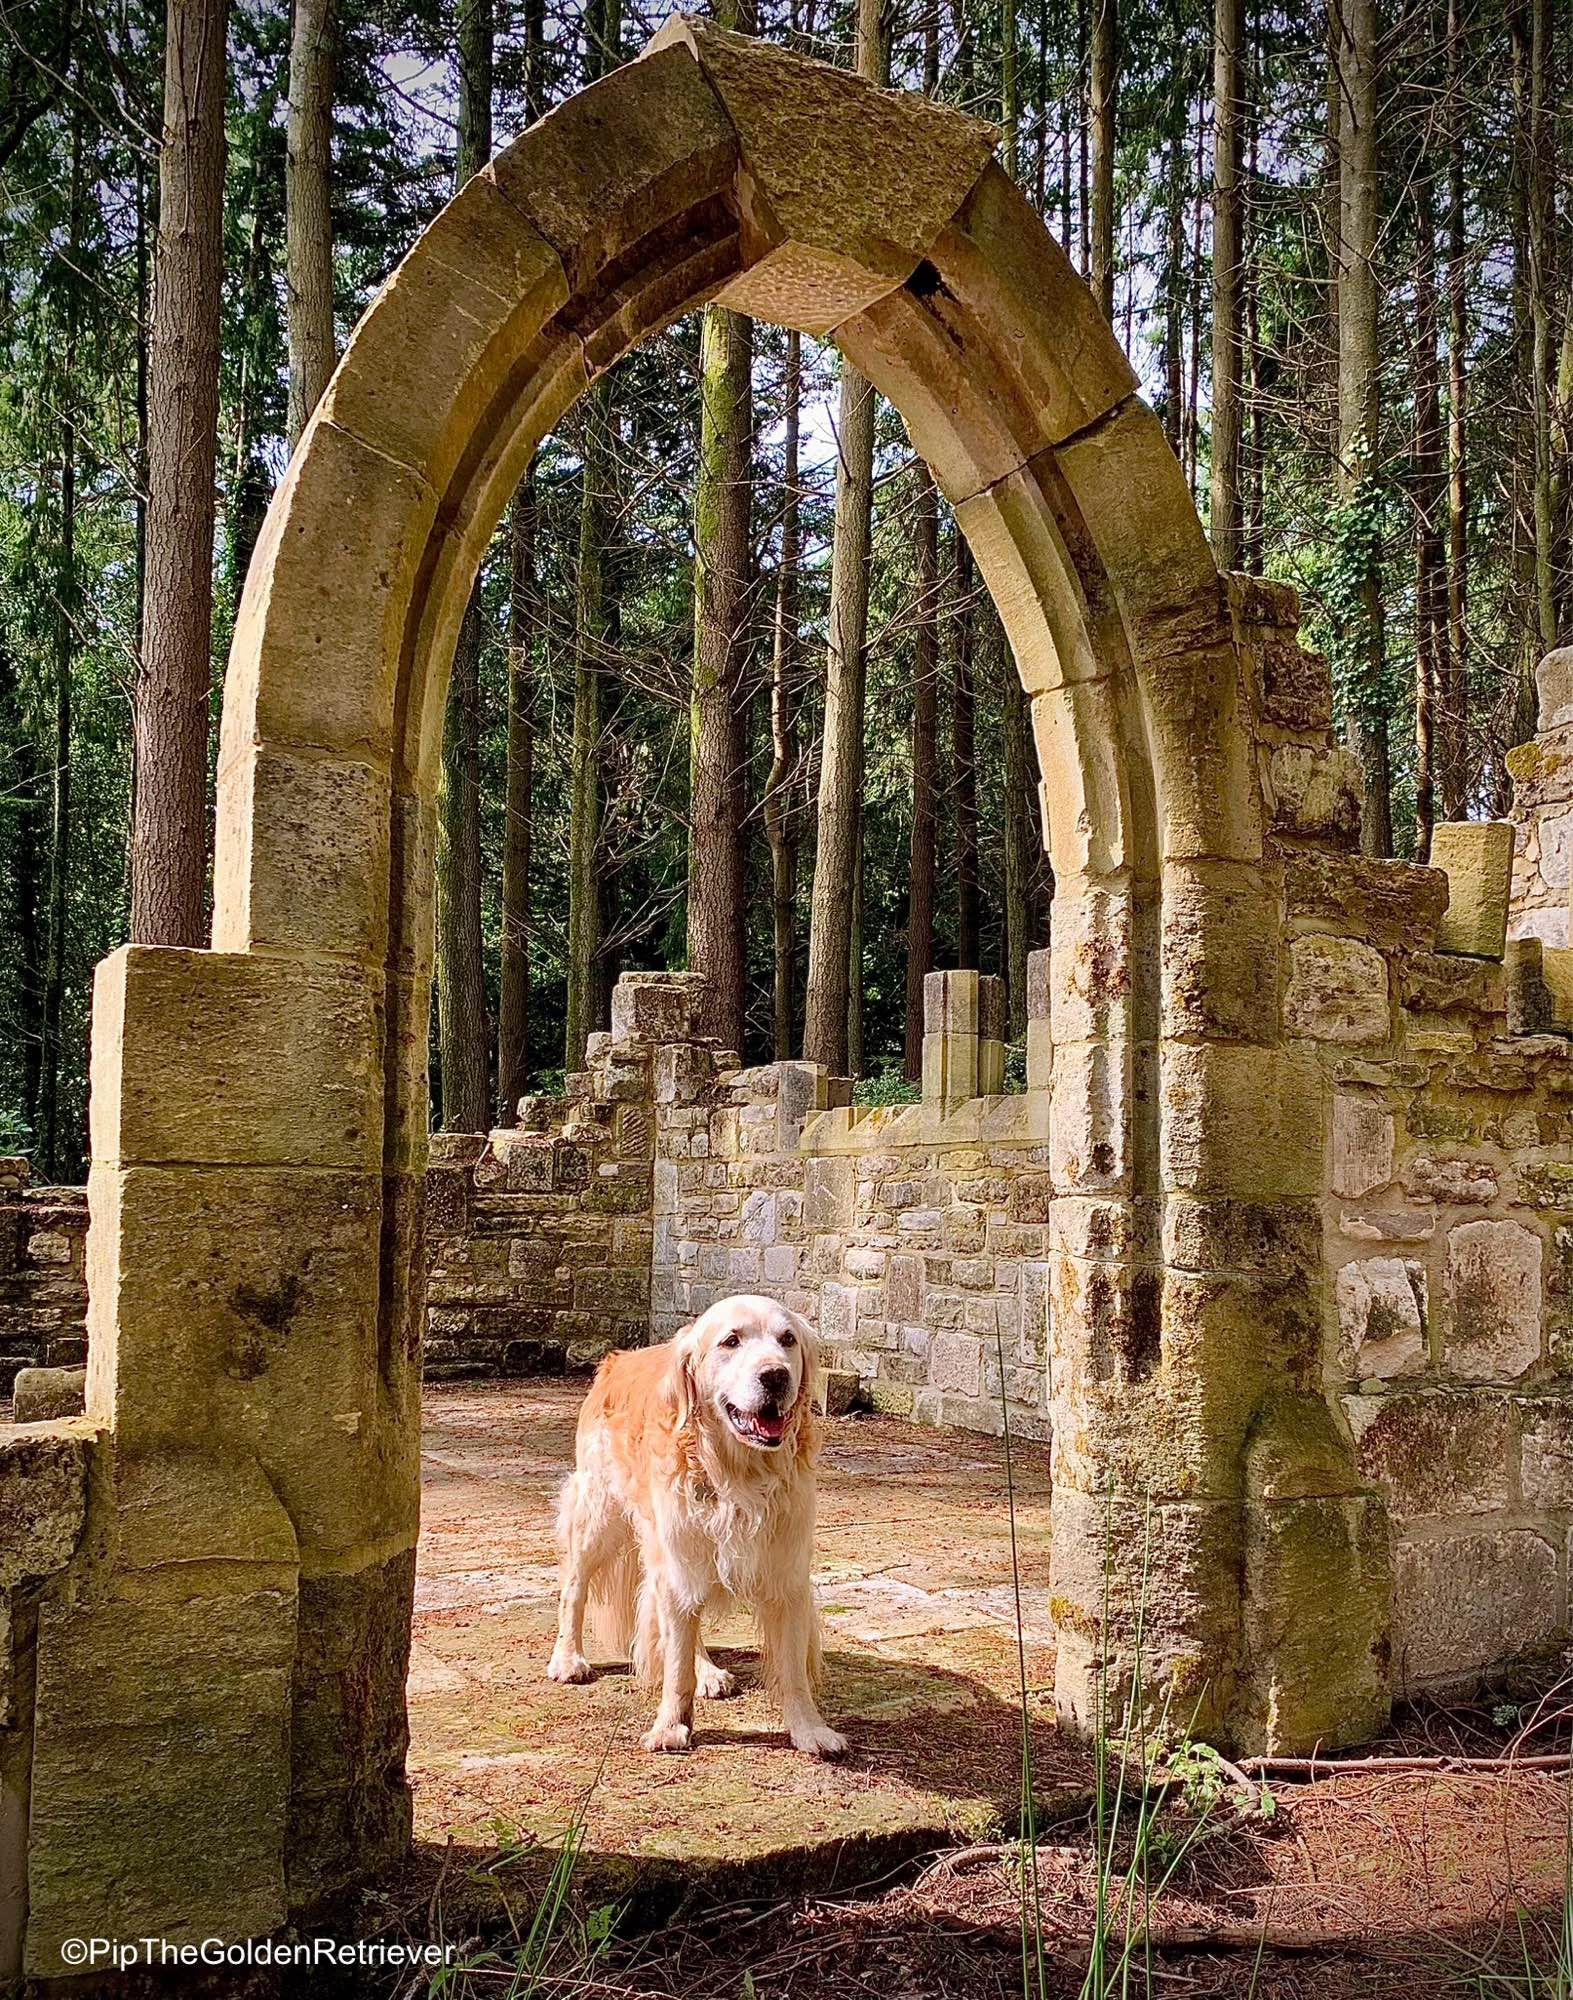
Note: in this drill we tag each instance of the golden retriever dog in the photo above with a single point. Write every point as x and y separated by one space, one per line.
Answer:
693 1486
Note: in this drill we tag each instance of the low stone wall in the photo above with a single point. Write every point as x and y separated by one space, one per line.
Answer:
538 1237
43 1274
913 1237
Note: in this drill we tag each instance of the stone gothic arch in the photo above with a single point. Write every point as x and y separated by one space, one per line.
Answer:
238 1619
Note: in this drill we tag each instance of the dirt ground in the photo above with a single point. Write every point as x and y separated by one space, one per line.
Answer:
746 1870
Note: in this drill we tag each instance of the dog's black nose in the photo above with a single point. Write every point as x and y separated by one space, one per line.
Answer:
775 1382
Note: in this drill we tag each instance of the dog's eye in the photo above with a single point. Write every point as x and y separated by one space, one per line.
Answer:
732 1340
789 1340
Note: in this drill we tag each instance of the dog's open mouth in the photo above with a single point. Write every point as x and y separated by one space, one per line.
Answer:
764 1427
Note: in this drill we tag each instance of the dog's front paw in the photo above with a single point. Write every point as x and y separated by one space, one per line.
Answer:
568 1666
672 1737
818 1739
716 1683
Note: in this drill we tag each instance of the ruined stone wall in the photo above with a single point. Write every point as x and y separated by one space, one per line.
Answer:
914 1238
538 1237
43 1281
1447 1216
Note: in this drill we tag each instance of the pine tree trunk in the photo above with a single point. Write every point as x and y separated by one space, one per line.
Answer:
1105 90
27 878
834 984
1228 42
723 539
779 826
524 625
590 648
1453 697
1358 391
169 836
1429 501
1542 251
513 1008
594 620
462 1029
51 1137
1174 243
461 987
308 212
964 767
923 871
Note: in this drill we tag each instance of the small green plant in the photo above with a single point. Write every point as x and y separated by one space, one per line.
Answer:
886 1086
554 1940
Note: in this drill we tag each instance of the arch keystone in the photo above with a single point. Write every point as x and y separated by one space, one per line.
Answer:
844 186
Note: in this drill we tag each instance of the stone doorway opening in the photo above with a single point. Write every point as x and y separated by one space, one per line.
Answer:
1259 1050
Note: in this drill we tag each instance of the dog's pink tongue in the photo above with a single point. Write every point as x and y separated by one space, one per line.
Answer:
771 1426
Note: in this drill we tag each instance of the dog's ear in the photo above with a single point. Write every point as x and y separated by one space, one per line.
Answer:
679 1388
803 1422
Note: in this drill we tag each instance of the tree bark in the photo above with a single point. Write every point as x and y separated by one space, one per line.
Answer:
1105 92
524 624
923 871
461 966
513 1008
1174 301
833 981
461 983
169 835
1429 485
964 768
308 211
591 620
594 619
51 1136
1358 392
1453 701
1228 372
779 818
723 543
1542 228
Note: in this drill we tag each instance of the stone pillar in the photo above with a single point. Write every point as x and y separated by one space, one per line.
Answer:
235 1653
963 1036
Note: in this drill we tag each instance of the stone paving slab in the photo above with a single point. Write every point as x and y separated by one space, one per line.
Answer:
922 1666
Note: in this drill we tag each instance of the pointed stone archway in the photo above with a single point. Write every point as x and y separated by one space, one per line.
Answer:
236 1623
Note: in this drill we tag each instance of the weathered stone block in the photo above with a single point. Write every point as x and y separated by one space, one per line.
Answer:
42 1395
1477 858
1466 1604
1493 1291
1317 794
43 1499
1440 1454
1242 1121
1362 1145
1554 687
1338 991
1381 1317
215 1057
1546 1455
956 1364
181 1657
657 1006
1220 950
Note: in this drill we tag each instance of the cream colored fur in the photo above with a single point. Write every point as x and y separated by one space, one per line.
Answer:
693 1487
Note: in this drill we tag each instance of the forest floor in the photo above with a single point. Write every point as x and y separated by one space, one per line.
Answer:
745 1870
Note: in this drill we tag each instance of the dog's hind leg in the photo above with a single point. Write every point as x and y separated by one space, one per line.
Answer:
590 1533
714 1683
